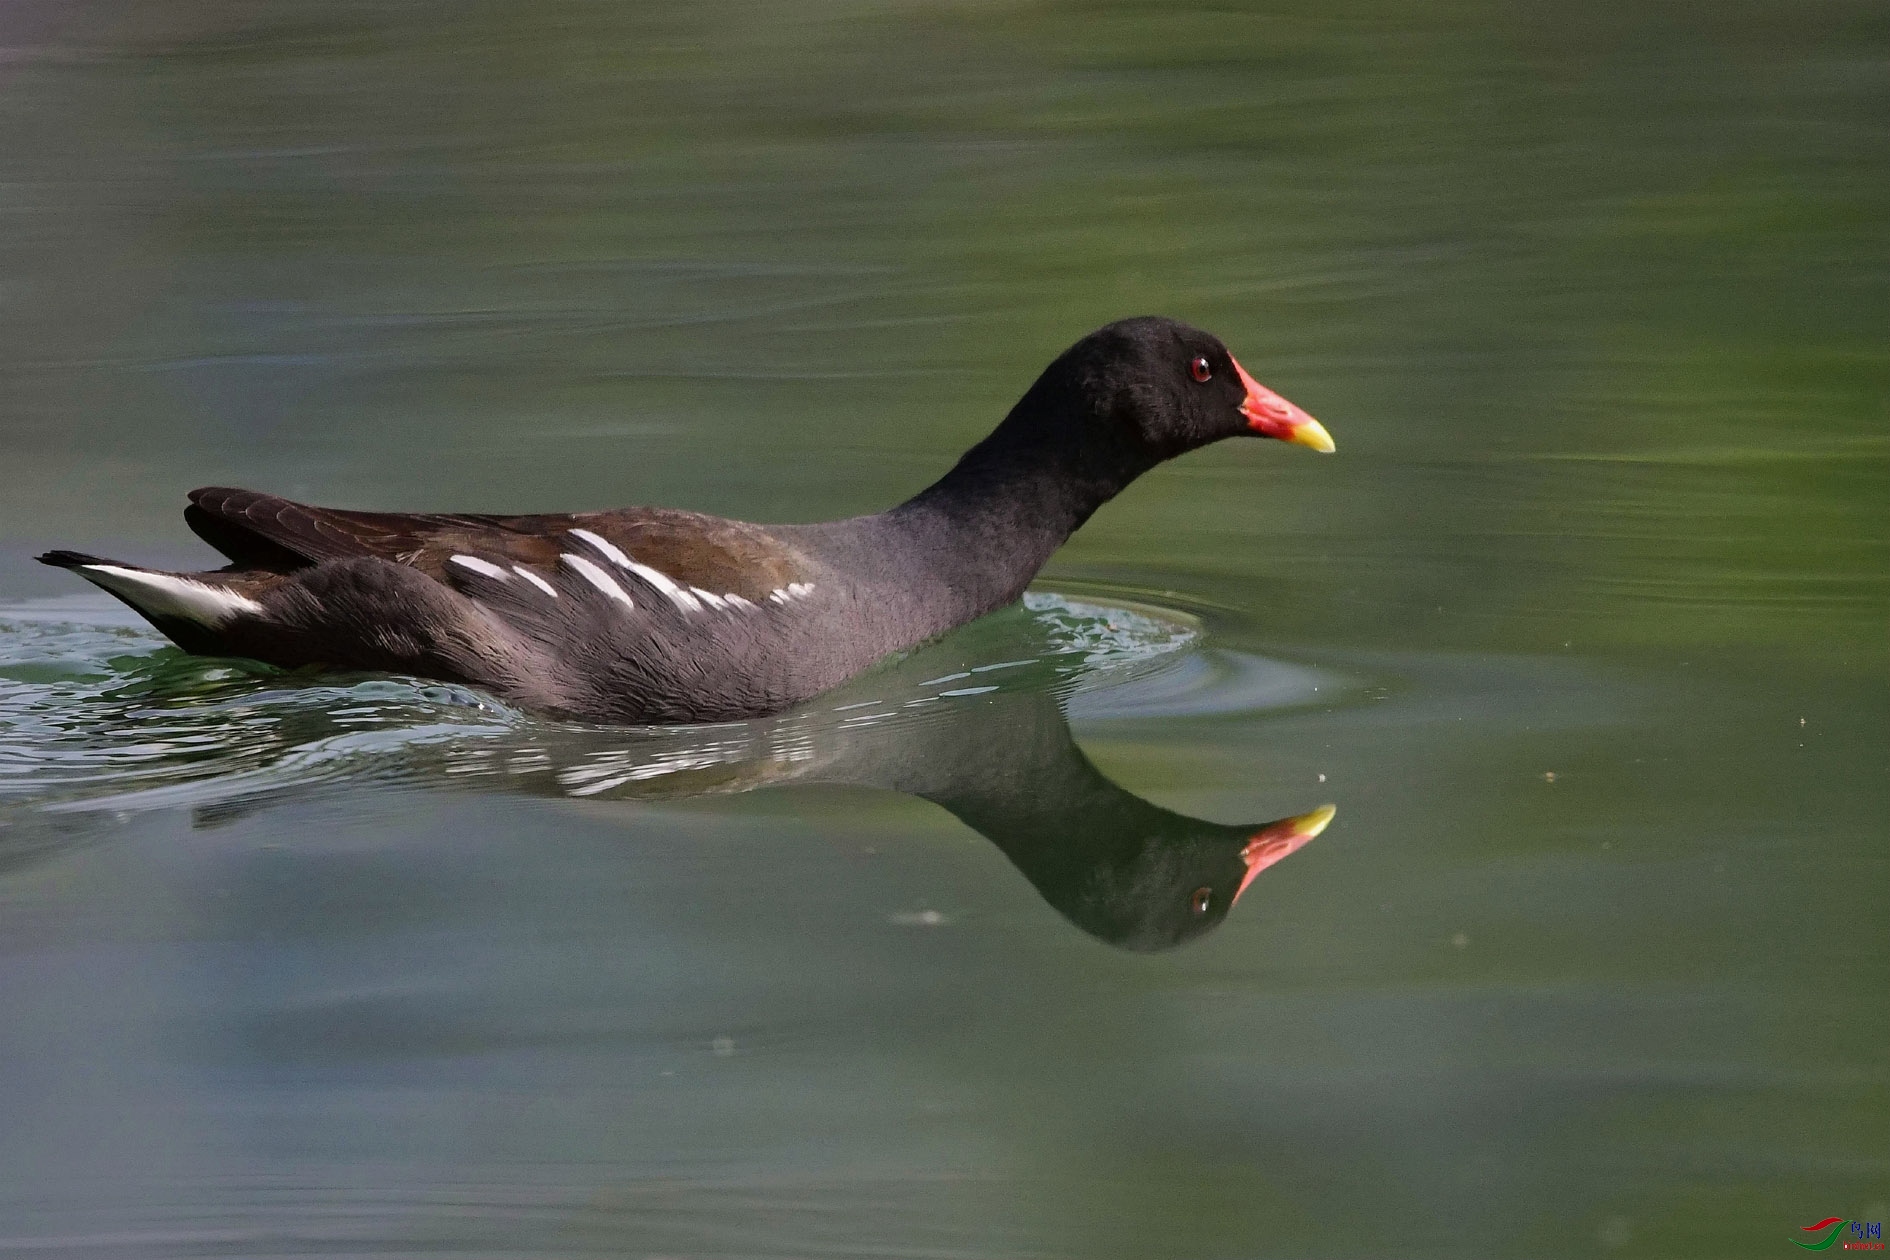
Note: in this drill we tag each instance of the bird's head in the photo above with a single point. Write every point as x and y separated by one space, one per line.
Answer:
1169 388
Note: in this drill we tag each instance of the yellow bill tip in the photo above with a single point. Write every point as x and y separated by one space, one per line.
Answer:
1310 825
1310 432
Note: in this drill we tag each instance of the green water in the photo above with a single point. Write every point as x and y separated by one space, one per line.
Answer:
1583 630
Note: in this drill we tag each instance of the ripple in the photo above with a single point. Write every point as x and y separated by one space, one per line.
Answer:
99 713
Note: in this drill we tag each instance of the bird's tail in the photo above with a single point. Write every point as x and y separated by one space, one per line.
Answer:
191 608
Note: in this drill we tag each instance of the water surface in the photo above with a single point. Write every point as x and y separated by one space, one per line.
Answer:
1582 630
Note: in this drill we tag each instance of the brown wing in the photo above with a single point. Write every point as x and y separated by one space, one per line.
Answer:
717 555
264 529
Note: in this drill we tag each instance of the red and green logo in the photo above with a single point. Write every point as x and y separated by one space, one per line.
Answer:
1863 1235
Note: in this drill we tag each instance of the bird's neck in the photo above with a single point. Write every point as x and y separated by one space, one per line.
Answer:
985 528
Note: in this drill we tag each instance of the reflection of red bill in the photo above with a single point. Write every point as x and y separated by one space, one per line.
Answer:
1281 839
1272 416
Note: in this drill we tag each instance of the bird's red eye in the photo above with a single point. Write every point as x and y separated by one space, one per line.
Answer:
1201 369
1203 897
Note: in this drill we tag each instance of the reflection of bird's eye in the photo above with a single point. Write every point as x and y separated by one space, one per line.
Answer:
1203 898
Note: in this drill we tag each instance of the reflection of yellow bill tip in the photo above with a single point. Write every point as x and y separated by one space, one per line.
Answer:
1310 825
1309 432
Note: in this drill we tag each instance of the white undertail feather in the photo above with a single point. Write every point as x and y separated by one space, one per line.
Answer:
167 595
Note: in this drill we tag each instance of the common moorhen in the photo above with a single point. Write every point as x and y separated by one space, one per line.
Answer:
660 615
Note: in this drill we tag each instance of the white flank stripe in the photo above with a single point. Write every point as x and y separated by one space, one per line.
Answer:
167 595
486 567
736 601
598 578
535 580
610 550
677 595
713 601
777 597
800 590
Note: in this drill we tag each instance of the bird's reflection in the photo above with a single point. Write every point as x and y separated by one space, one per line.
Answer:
988 742
1121 868
1124 870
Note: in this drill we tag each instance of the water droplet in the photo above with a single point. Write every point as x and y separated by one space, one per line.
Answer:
1615 1232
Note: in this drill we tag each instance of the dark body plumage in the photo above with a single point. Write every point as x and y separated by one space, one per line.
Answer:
659 615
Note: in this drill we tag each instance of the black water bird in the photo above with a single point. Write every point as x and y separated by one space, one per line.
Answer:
660 615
